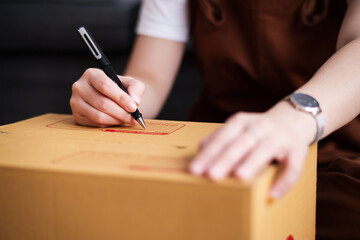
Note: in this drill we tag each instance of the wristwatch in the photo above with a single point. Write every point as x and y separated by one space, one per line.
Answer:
308 104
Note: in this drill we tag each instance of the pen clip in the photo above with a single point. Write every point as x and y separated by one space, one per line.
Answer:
89 42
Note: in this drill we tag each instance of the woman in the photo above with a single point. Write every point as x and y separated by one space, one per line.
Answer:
252 54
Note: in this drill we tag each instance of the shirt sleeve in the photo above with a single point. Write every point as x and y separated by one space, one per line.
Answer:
166 19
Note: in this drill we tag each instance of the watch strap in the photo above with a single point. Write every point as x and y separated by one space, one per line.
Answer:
320 123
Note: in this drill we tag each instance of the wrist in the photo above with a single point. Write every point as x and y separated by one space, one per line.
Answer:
302 123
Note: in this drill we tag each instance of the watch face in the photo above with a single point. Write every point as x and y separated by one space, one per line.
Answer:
304 100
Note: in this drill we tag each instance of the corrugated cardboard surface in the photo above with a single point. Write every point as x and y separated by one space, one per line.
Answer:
59 180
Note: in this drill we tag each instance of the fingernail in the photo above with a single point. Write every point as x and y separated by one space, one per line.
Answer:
196 169
215 173
131 107
242 174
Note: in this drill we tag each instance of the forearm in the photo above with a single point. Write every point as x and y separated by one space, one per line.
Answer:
336 86
155 62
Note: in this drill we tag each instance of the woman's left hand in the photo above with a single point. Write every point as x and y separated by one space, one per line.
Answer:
248 142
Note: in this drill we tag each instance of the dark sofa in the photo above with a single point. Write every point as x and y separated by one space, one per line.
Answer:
41 54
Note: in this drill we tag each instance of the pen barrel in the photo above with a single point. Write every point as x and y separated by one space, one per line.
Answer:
109 71
105 65
136 115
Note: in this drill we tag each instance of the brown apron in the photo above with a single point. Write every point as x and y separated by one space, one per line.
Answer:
252 53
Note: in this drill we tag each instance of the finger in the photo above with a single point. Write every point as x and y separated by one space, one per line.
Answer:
204 142
258 159
214 145
231 156
84 121
97 100
109 88
292 171
134 87
235 120
106 105
83 111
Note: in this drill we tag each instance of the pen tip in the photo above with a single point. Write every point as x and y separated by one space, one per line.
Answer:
140 120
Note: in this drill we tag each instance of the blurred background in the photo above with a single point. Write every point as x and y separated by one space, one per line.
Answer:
41 54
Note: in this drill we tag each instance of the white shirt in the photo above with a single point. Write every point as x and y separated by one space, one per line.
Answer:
166 19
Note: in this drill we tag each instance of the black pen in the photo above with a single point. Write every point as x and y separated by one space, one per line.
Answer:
105 65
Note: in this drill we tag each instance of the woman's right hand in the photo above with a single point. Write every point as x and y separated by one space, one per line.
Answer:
97 101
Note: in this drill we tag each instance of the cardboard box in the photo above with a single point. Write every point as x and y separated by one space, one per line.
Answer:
62 181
